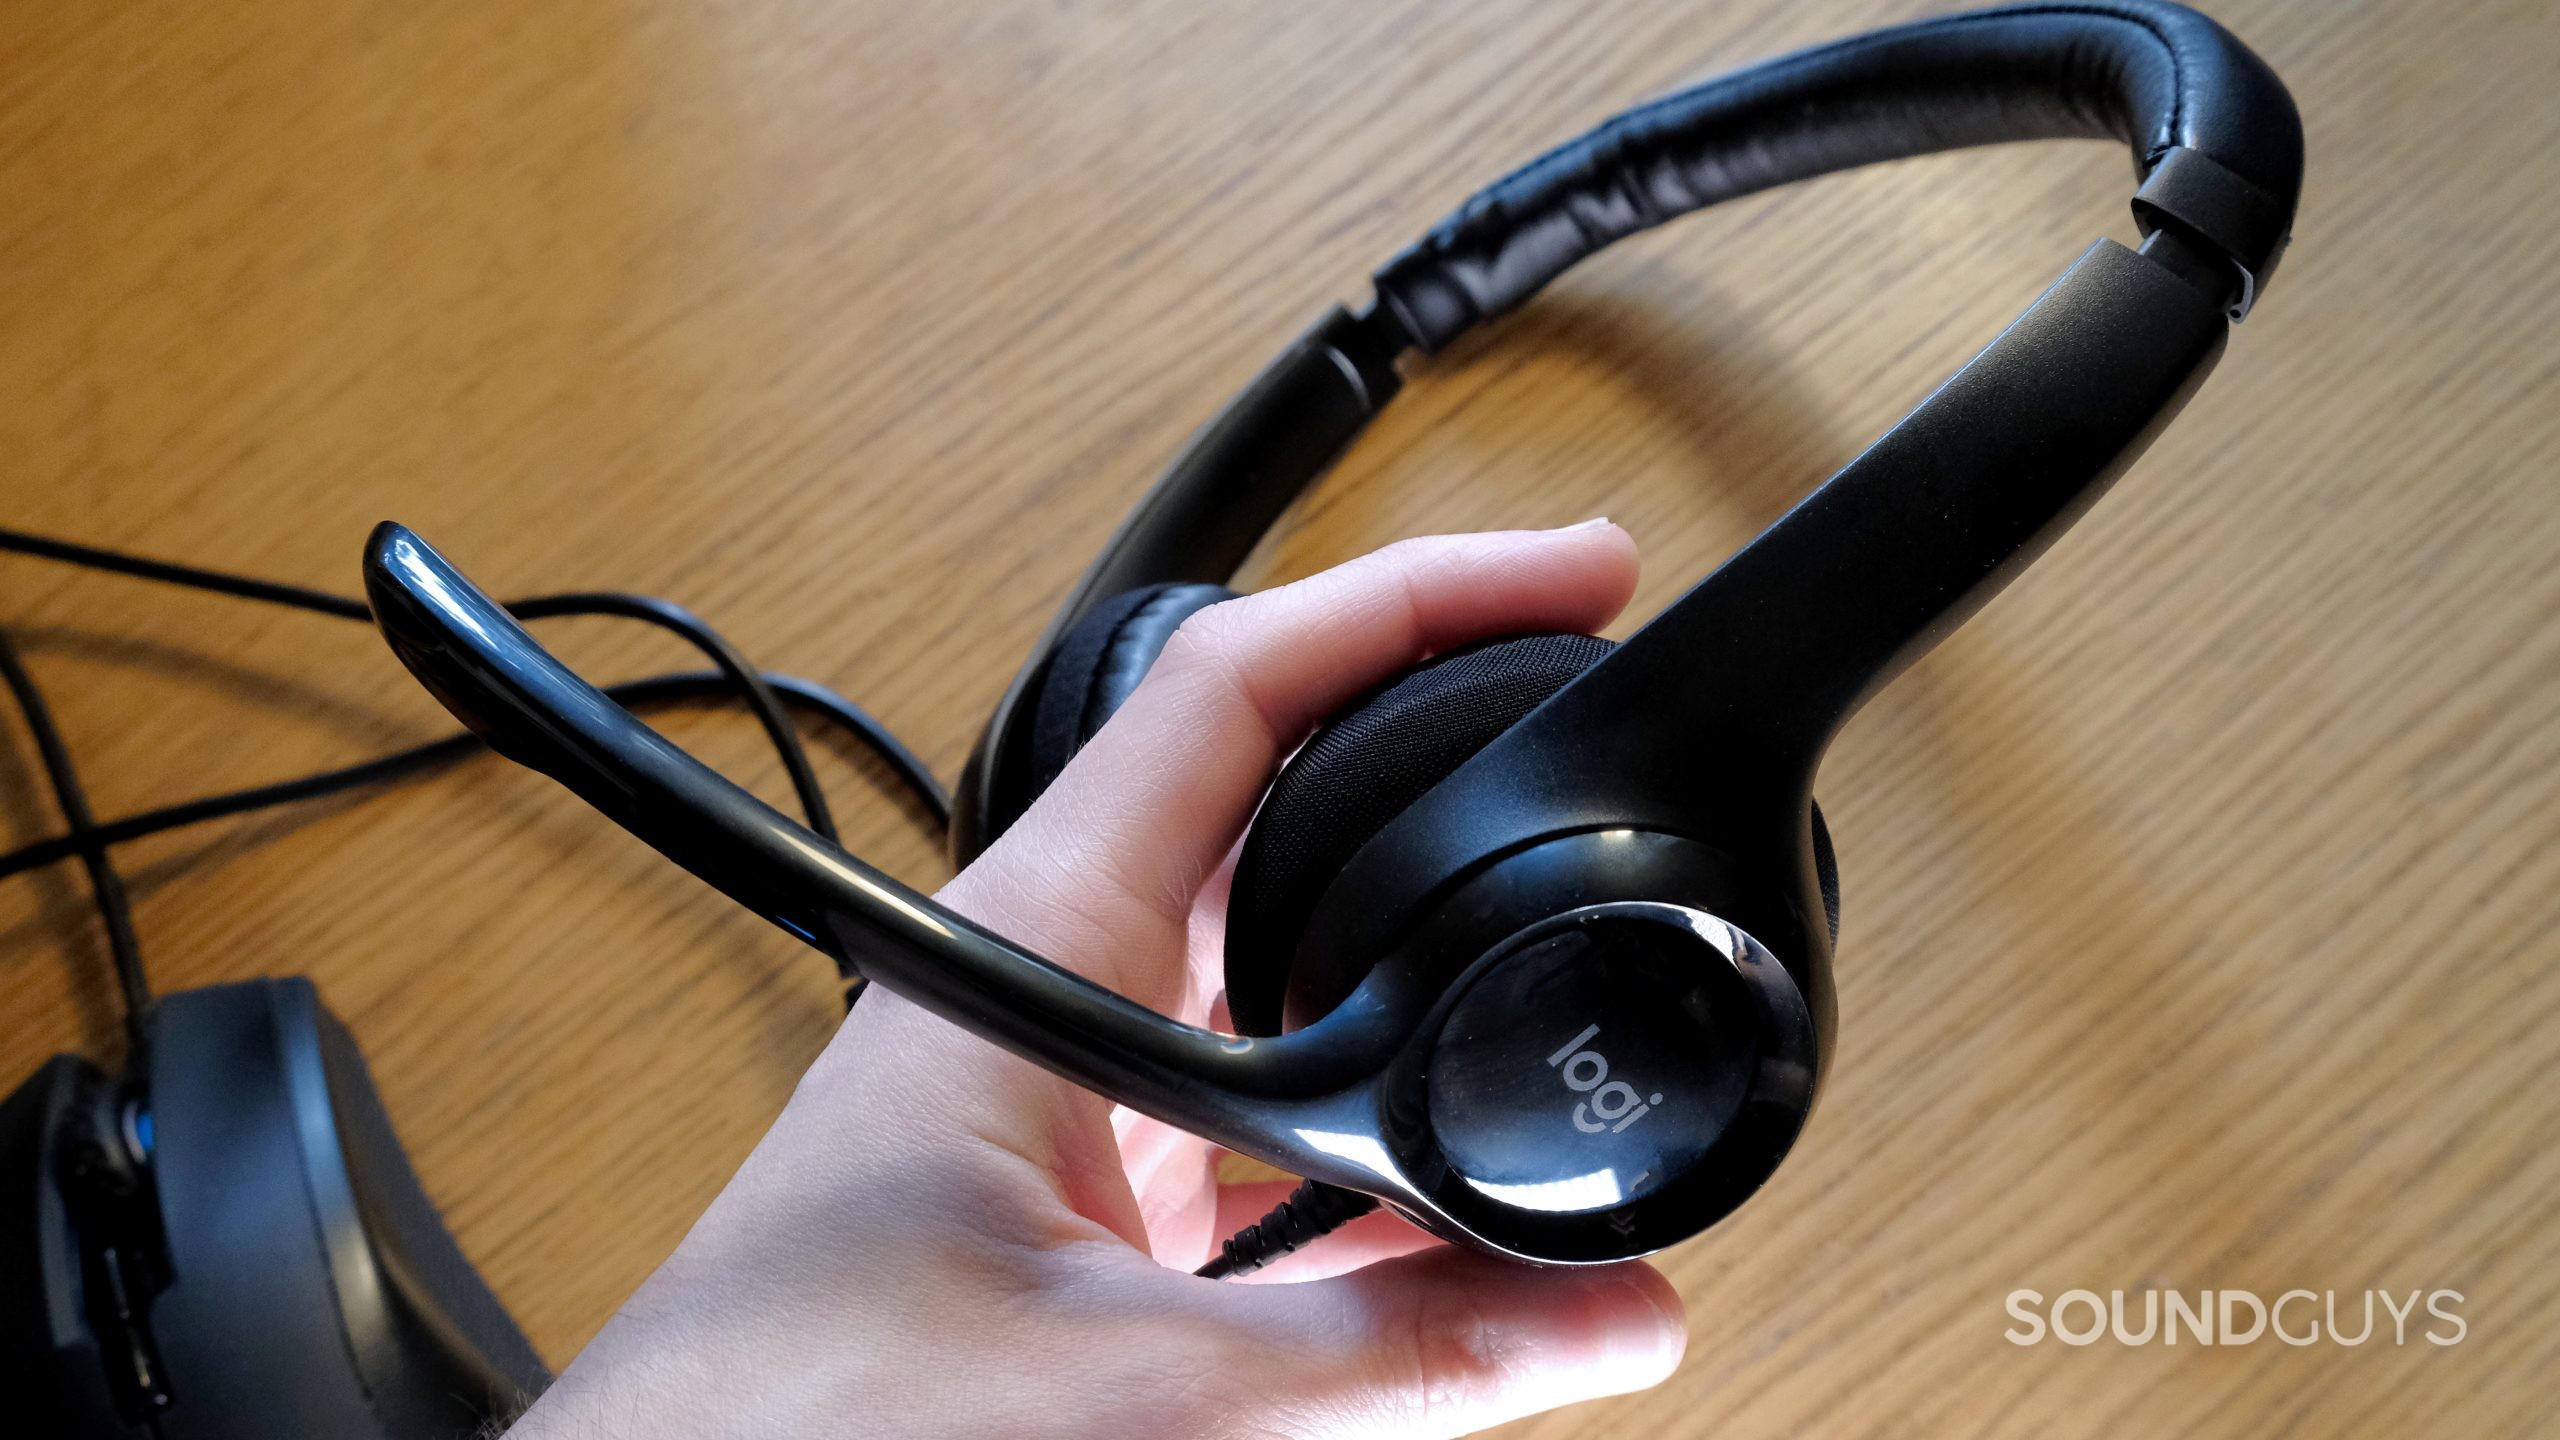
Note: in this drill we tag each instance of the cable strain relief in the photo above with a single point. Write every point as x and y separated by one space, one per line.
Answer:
1312 1211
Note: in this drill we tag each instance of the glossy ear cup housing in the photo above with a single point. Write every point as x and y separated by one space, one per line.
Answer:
1367 767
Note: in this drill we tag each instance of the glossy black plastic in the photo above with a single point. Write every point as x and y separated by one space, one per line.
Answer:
1323 1101
1608 1081
1678 770
1710 720
1275 1098
2215 139
1706 724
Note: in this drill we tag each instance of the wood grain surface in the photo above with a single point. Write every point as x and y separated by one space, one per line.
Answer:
2203 899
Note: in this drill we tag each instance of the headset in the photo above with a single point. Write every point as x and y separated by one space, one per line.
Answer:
1533 944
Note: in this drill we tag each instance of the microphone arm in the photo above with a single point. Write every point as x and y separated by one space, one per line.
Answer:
1278 1098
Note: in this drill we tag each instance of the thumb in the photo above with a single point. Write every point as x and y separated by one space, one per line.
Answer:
1448 1342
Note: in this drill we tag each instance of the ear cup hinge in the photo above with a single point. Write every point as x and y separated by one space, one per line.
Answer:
2205 203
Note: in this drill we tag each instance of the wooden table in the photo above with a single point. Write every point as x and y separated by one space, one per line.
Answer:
2201 916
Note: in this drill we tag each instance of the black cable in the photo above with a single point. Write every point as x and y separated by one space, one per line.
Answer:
1312 1211
401 764
749 681
664 614
761 692
115 908
345 607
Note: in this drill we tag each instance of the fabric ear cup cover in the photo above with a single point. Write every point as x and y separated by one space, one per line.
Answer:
1094 668
1357 774
1369 766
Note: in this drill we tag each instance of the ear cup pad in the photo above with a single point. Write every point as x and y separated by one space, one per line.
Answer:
1094 668
1826 873
1357 774
1369 766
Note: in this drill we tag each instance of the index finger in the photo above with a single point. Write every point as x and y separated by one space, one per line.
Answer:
1100 873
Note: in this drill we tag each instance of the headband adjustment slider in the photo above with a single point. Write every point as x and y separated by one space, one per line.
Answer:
2208 204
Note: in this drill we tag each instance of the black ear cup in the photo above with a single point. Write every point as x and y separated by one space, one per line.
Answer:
1092 672
1357 774
1367 767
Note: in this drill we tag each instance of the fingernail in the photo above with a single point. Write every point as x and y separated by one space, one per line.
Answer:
1594 523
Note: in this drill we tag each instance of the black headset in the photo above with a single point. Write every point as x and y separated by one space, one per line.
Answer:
1534 943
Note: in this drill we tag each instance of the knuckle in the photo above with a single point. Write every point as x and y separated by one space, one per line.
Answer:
1424 556
1414 550
1207 638
1212 657
1451 1358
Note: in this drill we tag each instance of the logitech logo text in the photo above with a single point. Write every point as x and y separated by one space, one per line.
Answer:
1587 1072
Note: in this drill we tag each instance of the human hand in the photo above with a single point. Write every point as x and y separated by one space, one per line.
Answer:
938 1238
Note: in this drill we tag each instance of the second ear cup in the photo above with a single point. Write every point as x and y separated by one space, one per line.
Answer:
1369 766
1357 774
1095 667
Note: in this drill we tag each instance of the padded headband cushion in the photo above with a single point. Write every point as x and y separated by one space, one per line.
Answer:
1093 670
2213 134
1369 766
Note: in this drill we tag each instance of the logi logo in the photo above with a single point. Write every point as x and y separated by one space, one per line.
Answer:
2296 1317
1587 1072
